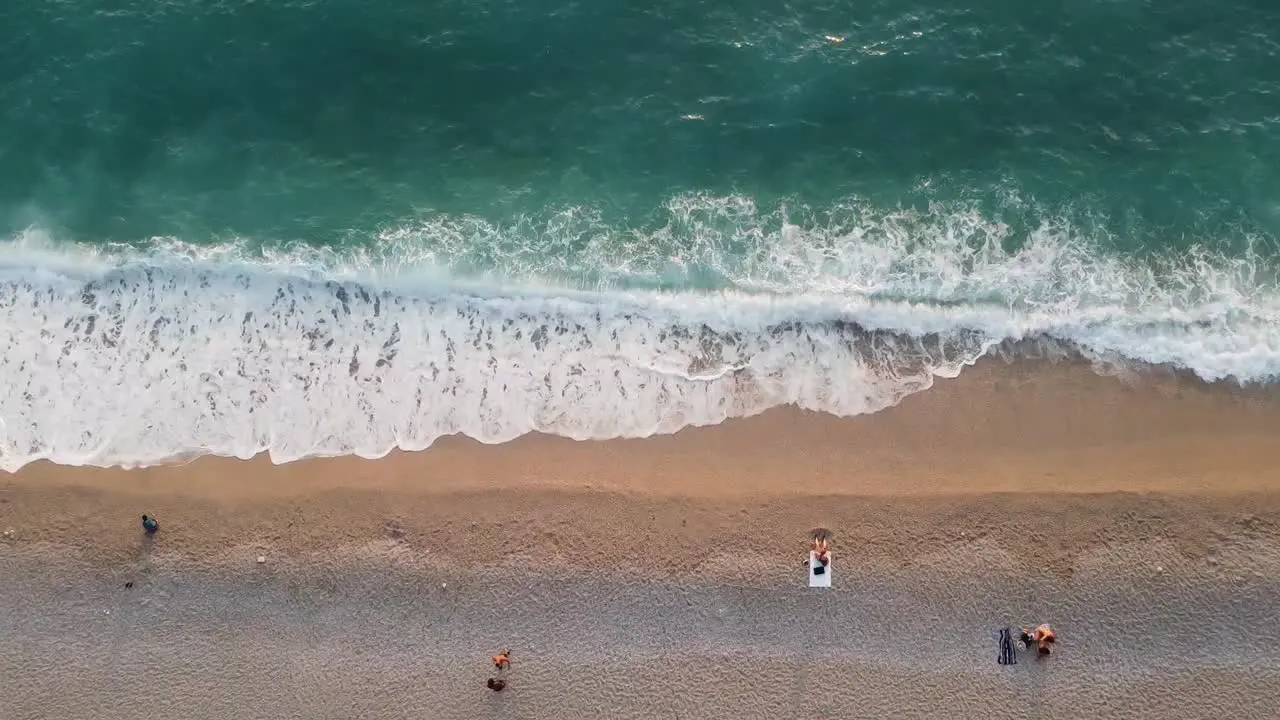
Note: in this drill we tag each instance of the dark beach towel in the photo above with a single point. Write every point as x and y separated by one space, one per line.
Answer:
1008 655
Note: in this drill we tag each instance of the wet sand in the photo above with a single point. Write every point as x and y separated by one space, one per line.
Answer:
661 577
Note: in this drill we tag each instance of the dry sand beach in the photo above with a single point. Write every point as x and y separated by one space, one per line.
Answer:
662 577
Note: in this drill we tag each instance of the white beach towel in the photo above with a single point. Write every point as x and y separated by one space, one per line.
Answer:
819 579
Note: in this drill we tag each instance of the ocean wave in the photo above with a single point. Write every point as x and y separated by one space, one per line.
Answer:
134 354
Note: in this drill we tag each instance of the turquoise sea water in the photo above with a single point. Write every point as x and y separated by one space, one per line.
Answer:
341 227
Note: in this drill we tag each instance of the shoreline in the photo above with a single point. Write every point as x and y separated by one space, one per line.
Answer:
991 453
986 393
1168 431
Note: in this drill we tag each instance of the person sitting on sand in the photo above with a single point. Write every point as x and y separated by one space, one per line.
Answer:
820 551
150 525
502 660
1042 637
496 684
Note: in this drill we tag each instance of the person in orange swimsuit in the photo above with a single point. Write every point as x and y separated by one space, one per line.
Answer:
1042 637
502 660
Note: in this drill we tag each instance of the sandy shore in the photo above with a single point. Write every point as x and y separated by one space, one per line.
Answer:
661 577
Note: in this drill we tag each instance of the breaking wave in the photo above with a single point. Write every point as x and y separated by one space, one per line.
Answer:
134 354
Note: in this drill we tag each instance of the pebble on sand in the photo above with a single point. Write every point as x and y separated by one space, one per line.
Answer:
262 559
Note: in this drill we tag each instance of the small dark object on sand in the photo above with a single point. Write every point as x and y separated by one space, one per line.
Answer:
1007 654
128 585
150 525
496 684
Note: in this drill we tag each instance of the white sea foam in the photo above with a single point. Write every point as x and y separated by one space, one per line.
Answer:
129 357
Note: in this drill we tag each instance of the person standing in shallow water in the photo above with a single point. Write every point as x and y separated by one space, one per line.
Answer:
150 525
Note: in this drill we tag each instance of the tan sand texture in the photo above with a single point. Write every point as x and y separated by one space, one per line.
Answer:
661 577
